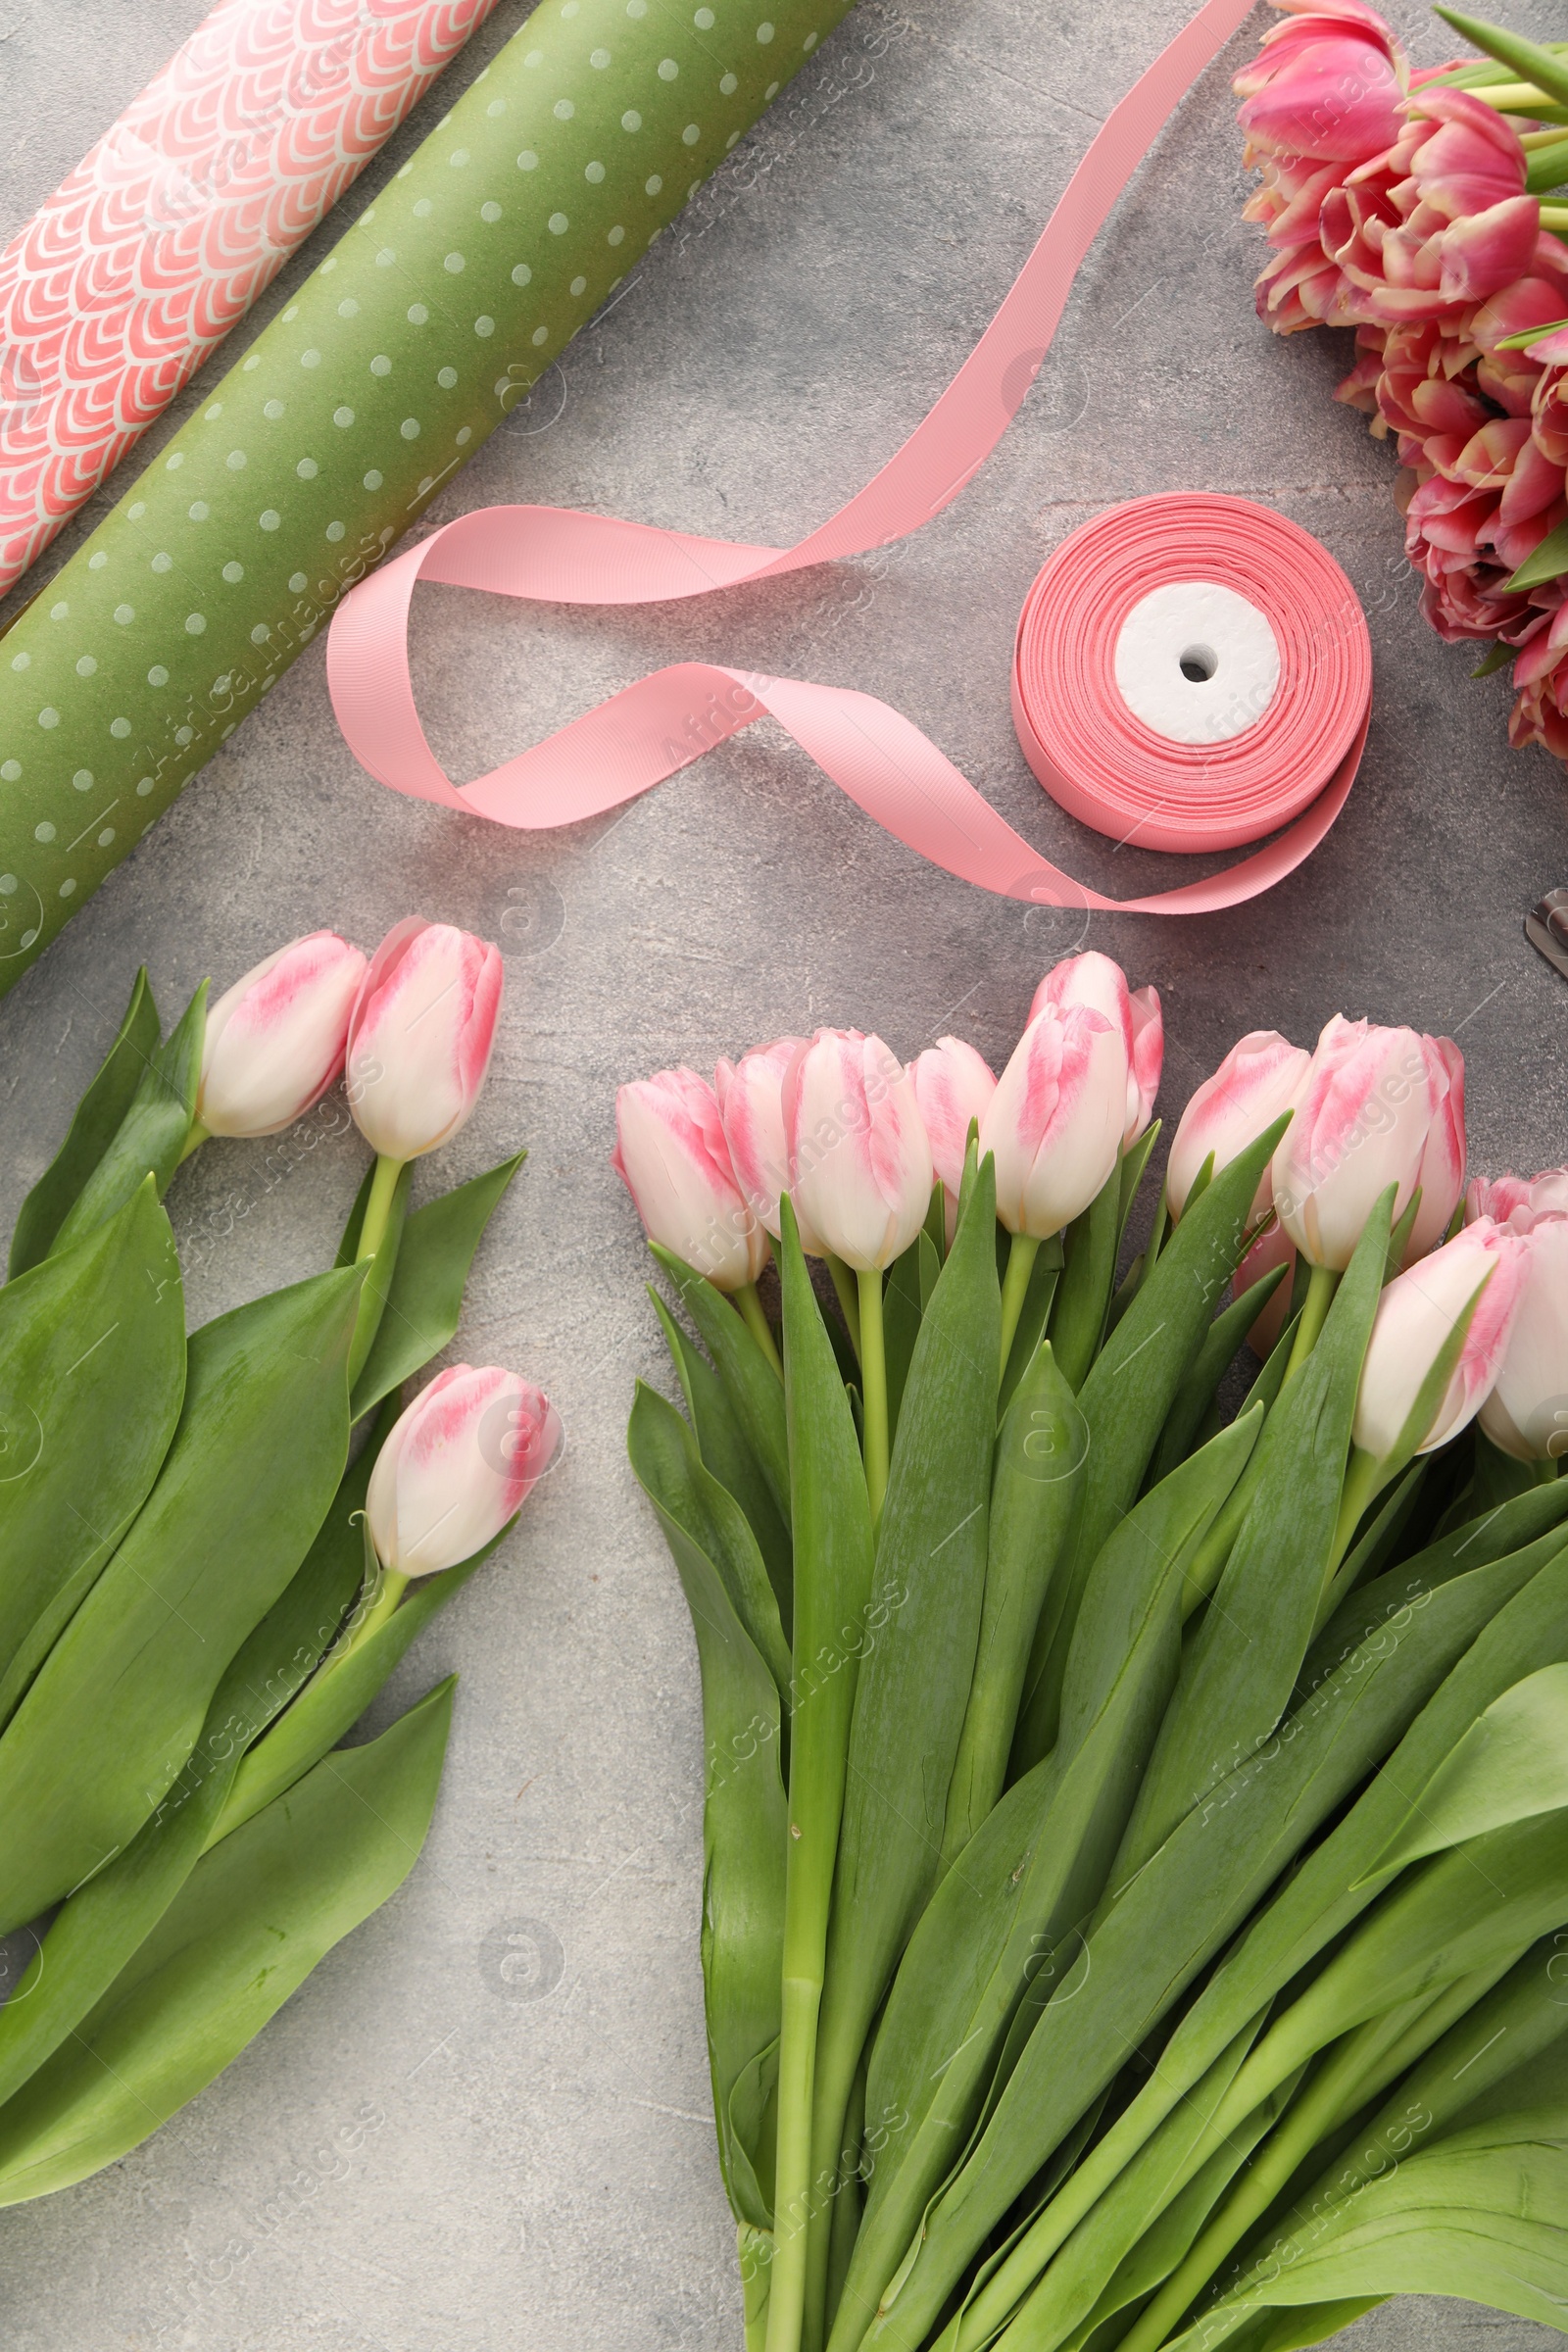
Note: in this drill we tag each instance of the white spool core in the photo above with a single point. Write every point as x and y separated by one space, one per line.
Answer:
1197 662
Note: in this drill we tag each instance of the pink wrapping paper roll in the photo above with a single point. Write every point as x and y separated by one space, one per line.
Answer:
121 284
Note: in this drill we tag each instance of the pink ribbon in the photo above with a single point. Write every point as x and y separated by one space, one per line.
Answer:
661 724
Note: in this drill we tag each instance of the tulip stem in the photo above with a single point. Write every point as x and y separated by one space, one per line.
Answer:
193 1141
379 1595
758 1324
378 1207
1321 1286
844 1287
1364 1478
874 1390
1015 1289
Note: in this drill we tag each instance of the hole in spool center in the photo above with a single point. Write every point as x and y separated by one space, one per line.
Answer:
1199 663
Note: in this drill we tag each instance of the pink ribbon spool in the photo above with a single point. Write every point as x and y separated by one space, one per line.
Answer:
1283 707
1293 765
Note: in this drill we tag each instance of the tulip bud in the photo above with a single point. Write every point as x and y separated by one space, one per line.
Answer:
1365 1120
671 1156
1518 1202
421 1037
953 1086
276 1039
1261 1076
457 1466
1527 1412
1095 981
751 1104
1056 1120
859 1160
1416 1315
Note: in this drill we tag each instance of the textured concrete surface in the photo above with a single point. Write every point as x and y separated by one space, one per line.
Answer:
484 2121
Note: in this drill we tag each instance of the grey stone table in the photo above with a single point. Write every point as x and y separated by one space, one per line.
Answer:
508 2061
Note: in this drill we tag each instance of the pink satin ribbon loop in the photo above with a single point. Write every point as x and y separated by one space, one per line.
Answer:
654 728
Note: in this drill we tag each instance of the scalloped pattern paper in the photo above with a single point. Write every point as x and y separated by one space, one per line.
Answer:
138 265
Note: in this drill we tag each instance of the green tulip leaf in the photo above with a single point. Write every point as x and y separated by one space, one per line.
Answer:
743 1824
1127 1398
96 1932
1213 1361
1240 1662
151 1138
1083 1295
334 1699
117 1708
246 1929
699 1515
1480 2217
1036 1483
728 1457
751 1384
1526 60
91 1131
1511 1763
942 2063
424 1303
92 1371
928 1601
1197 1889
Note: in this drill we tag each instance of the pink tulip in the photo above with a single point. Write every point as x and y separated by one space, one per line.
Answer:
1526 1414
457 1466
859 1160
1262 1075
276 1039
1094 980
953 1086
1418 1311
1147 1059
421 1037
1440 1170
751 1104
1371 1101
1329 84
1055 1123
1521 1203
671 1156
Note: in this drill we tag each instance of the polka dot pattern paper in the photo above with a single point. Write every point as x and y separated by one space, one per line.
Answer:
435 313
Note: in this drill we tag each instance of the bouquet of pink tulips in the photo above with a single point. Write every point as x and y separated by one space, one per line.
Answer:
1428 210
210 1547
1137 1789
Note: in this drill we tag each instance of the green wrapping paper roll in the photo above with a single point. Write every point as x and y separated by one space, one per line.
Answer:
440 307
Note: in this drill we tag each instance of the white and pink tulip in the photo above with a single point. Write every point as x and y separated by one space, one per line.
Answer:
1261 1076
1097 982
1056 1122
1526 1414
953 1086
751 1104
673 1156
1380 1107
456 1467
858 1156
421 1037
1483 1269
276 1039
